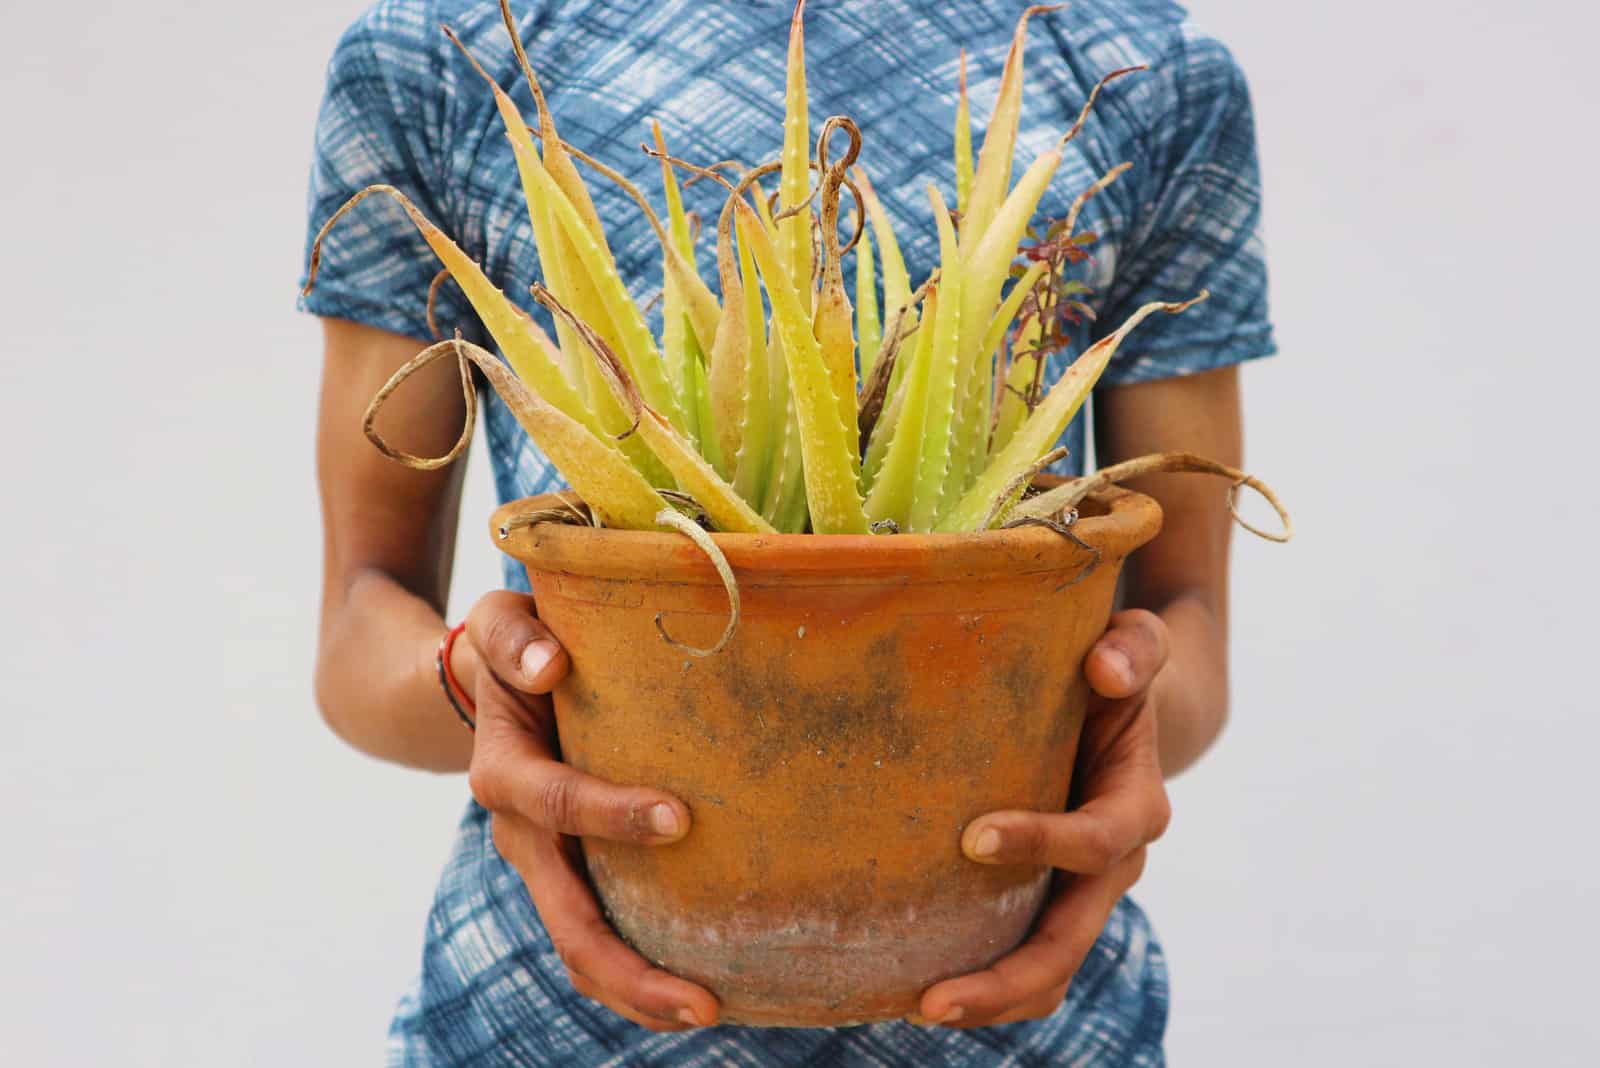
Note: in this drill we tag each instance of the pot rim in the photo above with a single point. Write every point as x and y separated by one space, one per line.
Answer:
1130 519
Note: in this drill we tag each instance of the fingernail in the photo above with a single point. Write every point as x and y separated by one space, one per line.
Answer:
951 1015
664 820
986 843
689 1018
535 657
1118 664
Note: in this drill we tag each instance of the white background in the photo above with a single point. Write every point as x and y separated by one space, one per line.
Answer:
1389 860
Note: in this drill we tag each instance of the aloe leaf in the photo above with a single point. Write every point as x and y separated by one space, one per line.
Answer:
878 443
993 175
557 256
786 480
611 486
827 444
969 449
795 185
636 347
555 158
1045 423
896 282
700 304
933 462
675 332
832 320
727 510
868 329
508 324
697 400
1006 314
762 421
895 481
677 218
786 490
731 356
675 328
1019 380
545 231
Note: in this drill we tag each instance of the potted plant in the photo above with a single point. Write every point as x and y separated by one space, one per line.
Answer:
801 577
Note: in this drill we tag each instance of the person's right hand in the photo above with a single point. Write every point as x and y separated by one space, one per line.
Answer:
539 807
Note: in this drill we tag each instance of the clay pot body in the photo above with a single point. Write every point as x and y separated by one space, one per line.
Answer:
879 693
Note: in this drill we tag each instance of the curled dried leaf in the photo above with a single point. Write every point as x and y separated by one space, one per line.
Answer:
675 520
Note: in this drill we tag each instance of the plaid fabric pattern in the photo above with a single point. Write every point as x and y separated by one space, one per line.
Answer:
402 107
493 993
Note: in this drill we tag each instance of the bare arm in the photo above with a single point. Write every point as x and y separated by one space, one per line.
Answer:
388 542
388 536
1182 576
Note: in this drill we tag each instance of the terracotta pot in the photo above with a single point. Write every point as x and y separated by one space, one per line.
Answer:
879 694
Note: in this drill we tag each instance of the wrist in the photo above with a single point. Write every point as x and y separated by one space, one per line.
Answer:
465 663
1189 696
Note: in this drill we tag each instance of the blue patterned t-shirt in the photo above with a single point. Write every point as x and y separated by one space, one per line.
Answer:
403 107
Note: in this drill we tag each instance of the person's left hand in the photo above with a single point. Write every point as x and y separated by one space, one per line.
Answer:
1099 847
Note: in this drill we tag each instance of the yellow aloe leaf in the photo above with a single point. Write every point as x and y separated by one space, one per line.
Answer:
795 231
786 493
700 304
733 352
992 178
878 444
1019 381
611 486
537 364
938 435
868 329
827 440
895 481
896 282
1045 424
761 418
832 321
1006 314
636 347
727 510
556 160
969 447
786 489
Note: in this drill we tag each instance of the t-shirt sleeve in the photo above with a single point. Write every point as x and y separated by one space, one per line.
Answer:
381 122
1196 225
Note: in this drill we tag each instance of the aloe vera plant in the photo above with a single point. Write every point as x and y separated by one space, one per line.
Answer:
771 402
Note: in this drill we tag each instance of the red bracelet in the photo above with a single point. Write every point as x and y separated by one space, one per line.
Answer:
447 679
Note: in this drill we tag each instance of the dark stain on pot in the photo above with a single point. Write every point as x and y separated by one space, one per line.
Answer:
1019 677
804 718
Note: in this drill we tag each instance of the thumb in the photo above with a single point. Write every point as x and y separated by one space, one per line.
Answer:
514 644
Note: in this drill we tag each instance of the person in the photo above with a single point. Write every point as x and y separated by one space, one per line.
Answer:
519 966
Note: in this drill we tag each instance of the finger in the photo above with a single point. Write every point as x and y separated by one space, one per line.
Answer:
1063 936
586 944
1127 657
514 644
1131 811
1037 1008
514 770
589 990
